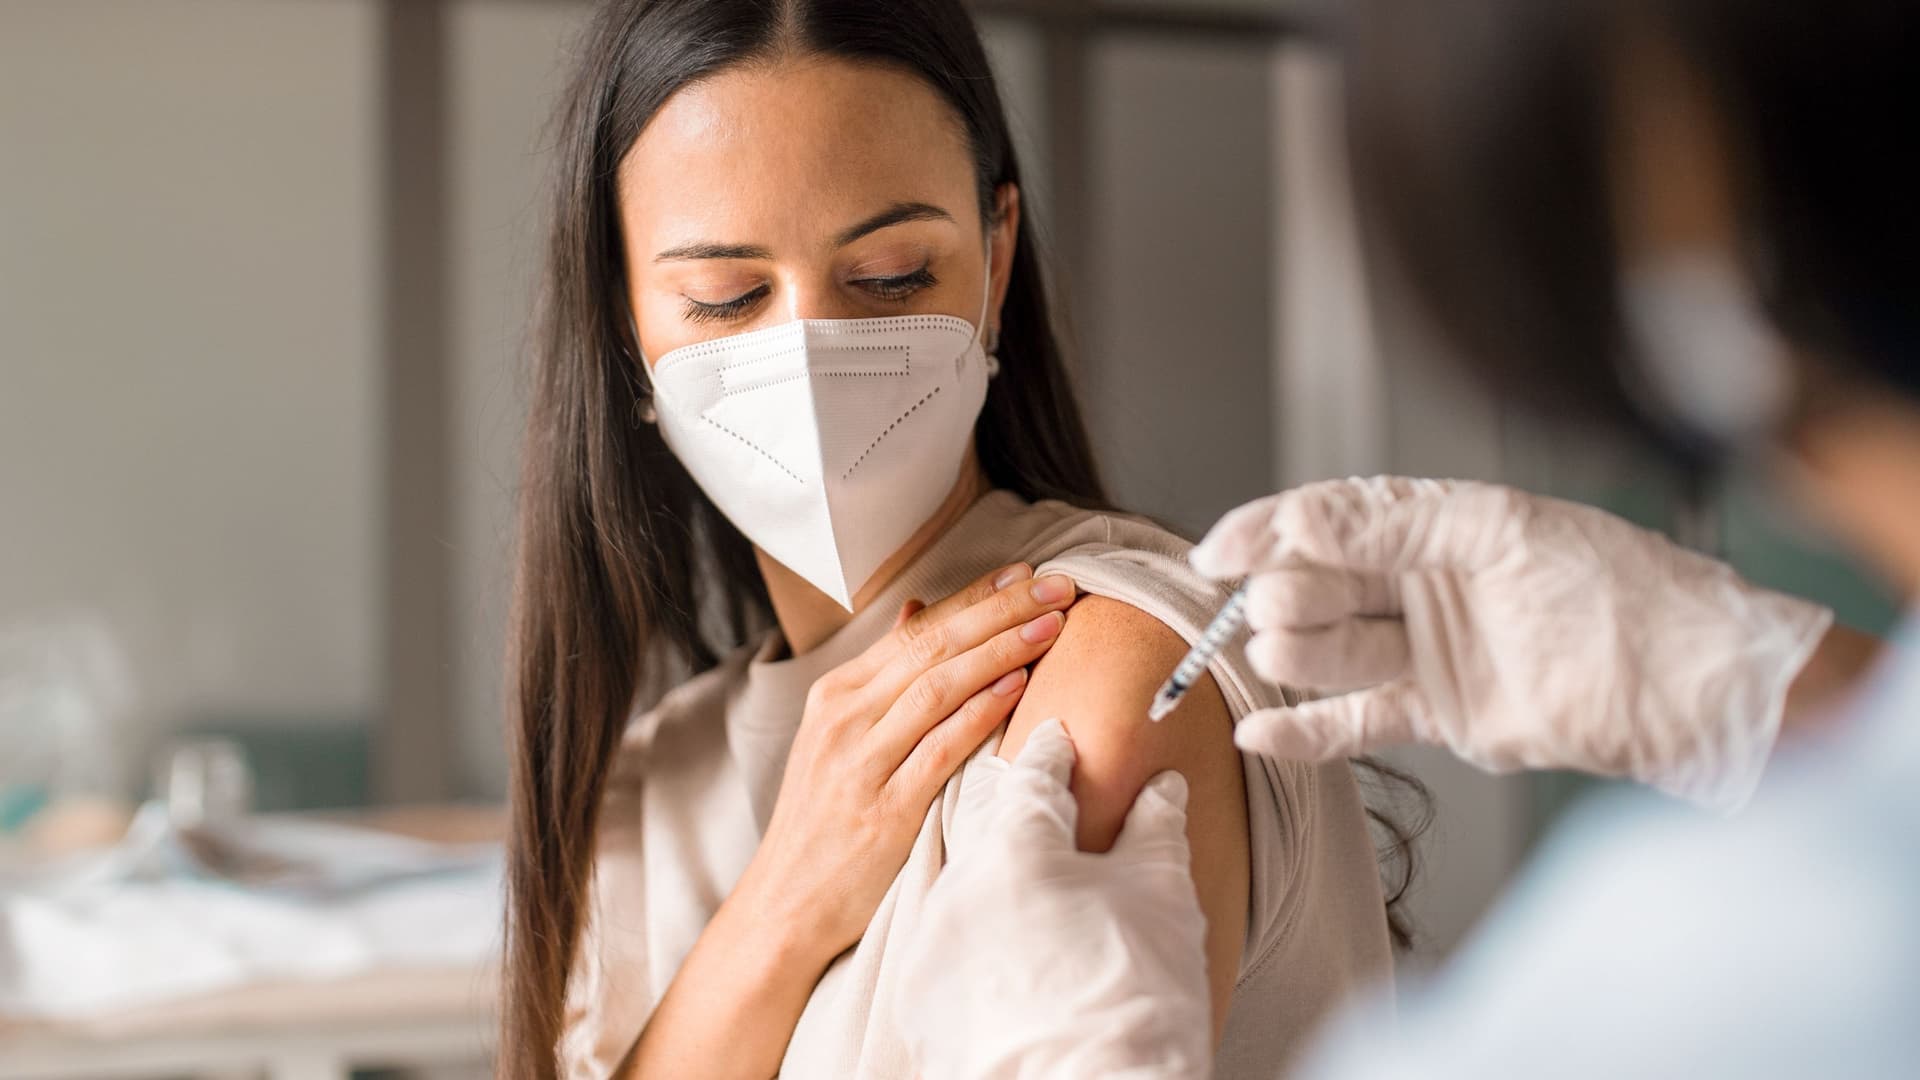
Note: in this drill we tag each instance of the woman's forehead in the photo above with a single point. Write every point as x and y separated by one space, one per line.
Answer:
791 147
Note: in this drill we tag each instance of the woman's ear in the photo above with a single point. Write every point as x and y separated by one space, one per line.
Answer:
1005 230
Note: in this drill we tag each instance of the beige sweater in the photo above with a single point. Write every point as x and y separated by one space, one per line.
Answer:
695 781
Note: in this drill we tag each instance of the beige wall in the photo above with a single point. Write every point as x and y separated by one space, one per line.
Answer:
188 317
1176 339
507 62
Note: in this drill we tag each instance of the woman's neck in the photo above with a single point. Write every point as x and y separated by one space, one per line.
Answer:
808 616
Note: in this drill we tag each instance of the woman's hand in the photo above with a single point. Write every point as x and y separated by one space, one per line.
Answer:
1516 631
881 736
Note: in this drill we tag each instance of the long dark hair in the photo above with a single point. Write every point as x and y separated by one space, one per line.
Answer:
626 570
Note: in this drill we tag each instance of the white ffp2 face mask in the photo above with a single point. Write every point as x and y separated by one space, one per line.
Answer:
827 442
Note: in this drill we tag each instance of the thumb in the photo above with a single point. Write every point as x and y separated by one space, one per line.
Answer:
1337 727
1156 825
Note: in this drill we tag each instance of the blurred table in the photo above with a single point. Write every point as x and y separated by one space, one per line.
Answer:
437 1020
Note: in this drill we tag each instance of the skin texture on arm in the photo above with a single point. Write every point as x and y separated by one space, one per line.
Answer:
1098 679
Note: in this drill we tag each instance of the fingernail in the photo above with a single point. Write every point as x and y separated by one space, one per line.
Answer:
1010 682
1042 628
1053 588
1010 575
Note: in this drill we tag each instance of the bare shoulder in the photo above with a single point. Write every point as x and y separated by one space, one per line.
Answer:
1098 679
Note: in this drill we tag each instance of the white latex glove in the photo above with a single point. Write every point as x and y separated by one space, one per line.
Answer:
1037 960
1515 630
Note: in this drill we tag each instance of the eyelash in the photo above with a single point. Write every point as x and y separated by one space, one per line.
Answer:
726 309
894 288
899 287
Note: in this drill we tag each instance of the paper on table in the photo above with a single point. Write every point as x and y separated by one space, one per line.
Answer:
152 919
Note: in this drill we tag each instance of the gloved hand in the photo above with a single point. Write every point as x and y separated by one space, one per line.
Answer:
1516 631
1036 960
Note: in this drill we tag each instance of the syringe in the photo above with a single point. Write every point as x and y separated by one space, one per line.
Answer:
1224 625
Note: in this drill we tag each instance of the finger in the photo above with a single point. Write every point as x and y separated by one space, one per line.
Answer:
1033 809
1049 752
1339 656
947 744
864 666
907 611
1258 537
1298 597
941 689
1238 541
927 640
1415 525
1337 727
1156 825
976 592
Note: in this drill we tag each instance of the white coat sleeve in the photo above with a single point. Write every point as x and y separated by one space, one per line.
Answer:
1650 945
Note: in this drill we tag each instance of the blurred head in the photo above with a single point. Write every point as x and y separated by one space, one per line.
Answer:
1690 218
724 165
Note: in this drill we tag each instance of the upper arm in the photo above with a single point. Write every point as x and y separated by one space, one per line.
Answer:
1098 679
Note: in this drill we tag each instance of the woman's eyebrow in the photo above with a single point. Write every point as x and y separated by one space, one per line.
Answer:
896 214
706 250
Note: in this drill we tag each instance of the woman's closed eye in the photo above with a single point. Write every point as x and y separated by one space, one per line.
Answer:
899 286
715 311
888 288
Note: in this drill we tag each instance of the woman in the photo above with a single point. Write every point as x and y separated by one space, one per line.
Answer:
788 259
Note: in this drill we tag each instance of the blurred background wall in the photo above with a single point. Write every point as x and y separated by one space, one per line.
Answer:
190 448
264 273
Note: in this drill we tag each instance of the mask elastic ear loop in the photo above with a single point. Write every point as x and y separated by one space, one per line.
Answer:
644 410
989 340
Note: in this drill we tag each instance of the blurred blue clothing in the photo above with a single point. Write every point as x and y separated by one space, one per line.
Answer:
1648 941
